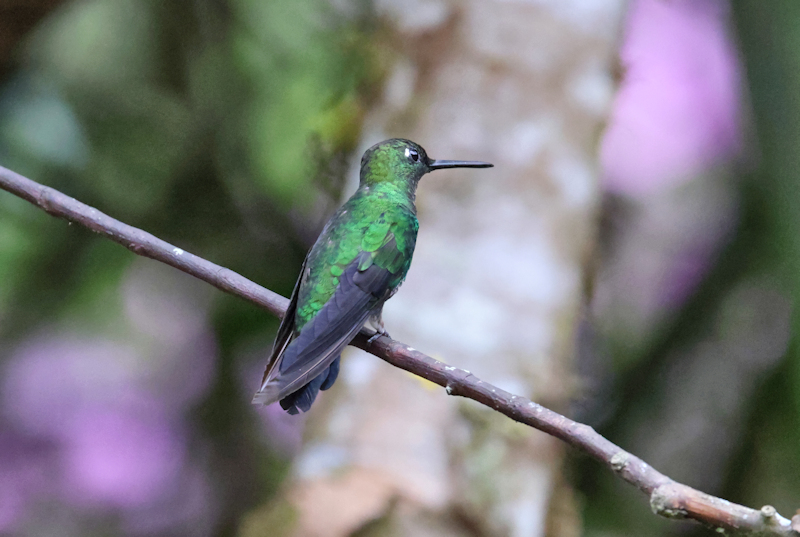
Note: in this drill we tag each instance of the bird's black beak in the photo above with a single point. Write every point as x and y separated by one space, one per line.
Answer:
442 164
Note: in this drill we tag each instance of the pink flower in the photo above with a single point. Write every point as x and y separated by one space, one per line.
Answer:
122 459
677 110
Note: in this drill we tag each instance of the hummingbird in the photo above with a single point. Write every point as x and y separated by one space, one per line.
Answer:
357 263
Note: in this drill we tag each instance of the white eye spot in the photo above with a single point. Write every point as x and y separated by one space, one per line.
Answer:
412 154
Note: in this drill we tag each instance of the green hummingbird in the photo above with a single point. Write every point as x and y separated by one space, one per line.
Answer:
357 263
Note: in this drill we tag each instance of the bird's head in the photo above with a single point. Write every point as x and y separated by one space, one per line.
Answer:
400 160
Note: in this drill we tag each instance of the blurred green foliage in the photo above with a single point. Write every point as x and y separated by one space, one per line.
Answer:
212 124
770 42
205 122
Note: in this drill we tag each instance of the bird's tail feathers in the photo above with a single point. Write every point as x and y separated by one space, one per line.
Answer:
267 395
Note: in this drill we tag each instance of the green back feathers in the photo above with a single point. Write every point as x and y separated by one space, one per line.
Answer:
380 219
372 222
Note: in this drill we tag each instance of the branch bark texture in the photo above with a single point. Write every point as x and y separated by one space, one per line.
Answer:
668 498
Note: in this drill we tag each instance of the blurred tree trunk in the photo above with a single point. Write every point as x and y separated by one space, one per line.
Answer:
497 280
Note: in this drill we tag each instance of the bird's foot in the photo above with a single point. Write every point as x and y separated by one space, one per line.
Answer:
376 322
377 334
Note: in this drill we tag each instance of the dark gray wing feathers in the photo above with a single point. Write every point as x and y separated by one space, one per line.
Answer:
322 339
286 328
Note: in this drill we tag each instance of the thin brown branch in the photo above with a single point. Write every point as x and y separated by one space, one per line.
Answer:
667 497
140 242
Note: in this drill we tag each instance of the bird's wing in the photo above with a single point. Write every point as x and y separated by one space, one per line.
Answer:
362 286
284 336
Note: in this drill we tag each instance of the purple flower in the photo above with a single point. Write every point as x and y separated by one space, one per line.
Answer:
24 471
677 111
112 411
121 458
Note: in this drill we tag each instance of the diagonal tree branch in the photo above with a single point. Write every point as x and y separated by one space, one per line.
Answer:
668 498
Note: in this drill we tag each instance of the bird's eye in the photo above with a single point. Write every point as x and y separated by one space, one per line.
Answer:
412 154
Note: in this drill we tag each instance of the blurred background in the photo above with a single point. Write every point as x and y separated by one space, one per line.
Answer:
631 261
